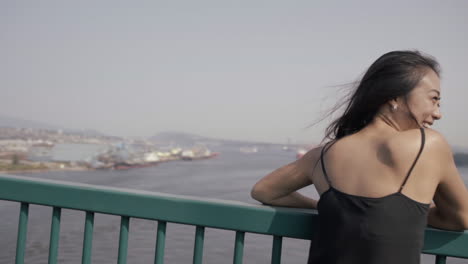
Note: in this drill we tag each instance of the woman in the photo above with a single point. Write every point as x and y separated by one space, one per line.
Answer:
381 170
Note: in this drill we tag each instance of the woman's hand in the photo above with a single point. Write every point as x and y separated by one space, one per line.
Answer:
280 187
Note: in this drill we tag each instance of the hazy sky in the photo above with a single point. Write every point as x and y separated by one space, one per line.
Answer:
252 70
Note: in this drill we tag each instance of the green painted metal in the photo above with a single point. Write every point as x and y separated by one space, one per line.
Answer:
22 232
160 243
209 213
276 251
239 247
54 235
88 238
440 259
123 240
198 248
448 243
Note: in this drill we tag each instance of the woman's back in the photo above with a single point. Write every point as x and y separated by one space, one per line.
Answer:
374 163
363 224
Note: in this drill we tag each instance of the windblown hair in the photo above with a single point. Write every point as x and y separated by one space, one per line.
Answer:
392 75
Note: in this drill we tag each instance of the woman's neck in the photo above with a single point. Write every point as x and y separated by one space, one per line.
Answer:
384 120
382 125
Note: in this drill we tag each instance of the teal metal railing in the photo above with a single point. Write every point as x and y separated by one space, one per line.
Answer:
163 208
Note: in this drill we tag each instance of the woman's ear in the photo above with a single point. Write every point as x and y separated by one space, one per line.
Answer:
393 104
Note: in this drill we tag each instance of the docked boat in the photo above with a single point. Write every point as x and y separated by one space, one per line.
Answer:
198 153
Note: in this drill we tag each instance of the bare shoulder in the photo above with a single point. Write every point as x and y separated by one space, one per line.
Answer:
408 143
433 139
436 142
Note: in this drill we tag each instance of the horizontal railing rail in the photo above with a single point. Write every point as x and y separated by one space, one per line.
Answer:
166 208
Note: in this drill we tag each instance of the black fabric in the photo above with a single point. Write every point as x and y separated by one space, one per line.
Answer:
364 230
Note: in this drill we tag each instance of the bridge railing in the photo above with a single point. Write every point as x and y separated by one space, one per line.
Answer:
163 208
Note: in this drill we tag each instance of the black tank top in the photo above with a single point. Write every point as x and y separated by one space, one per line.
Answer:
363 230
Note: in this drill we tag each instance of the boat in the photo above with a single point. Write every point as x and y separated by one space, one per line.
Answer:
248 150
198 153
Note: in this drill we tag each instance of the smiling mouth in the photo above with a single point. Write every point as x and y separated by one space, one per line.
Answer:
427 125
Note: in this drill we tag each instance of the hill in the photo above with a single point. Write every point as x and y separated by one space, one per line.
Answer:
7 121
13 122
188 139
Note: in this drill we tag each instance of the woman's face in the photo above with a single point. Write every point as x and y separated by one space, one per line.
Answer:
424 100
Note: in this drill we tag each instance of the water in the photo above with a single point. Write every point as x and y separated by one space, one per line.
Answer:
230 177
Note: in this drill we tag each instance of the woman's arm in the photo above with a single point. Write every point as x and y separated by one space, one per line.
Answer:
280 187
450 210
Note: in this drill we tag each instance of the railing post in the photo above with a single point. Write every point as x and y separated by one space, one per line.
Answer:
160 243
198 248
22 232
123 240
239 247
88 238
276 251
440 259
54 235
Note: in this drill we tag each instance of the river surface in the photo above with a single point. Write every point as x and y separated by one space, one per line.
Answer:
230 176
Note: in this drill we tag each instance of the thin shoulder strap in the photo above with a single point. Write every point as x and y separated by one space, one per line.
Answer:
325 148
423 140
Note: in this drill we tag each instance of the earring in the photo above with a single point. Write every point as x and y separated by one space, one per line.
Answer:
394 107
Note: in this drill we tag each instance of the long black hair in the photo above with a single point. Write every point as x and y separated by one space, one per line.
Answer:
392 75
